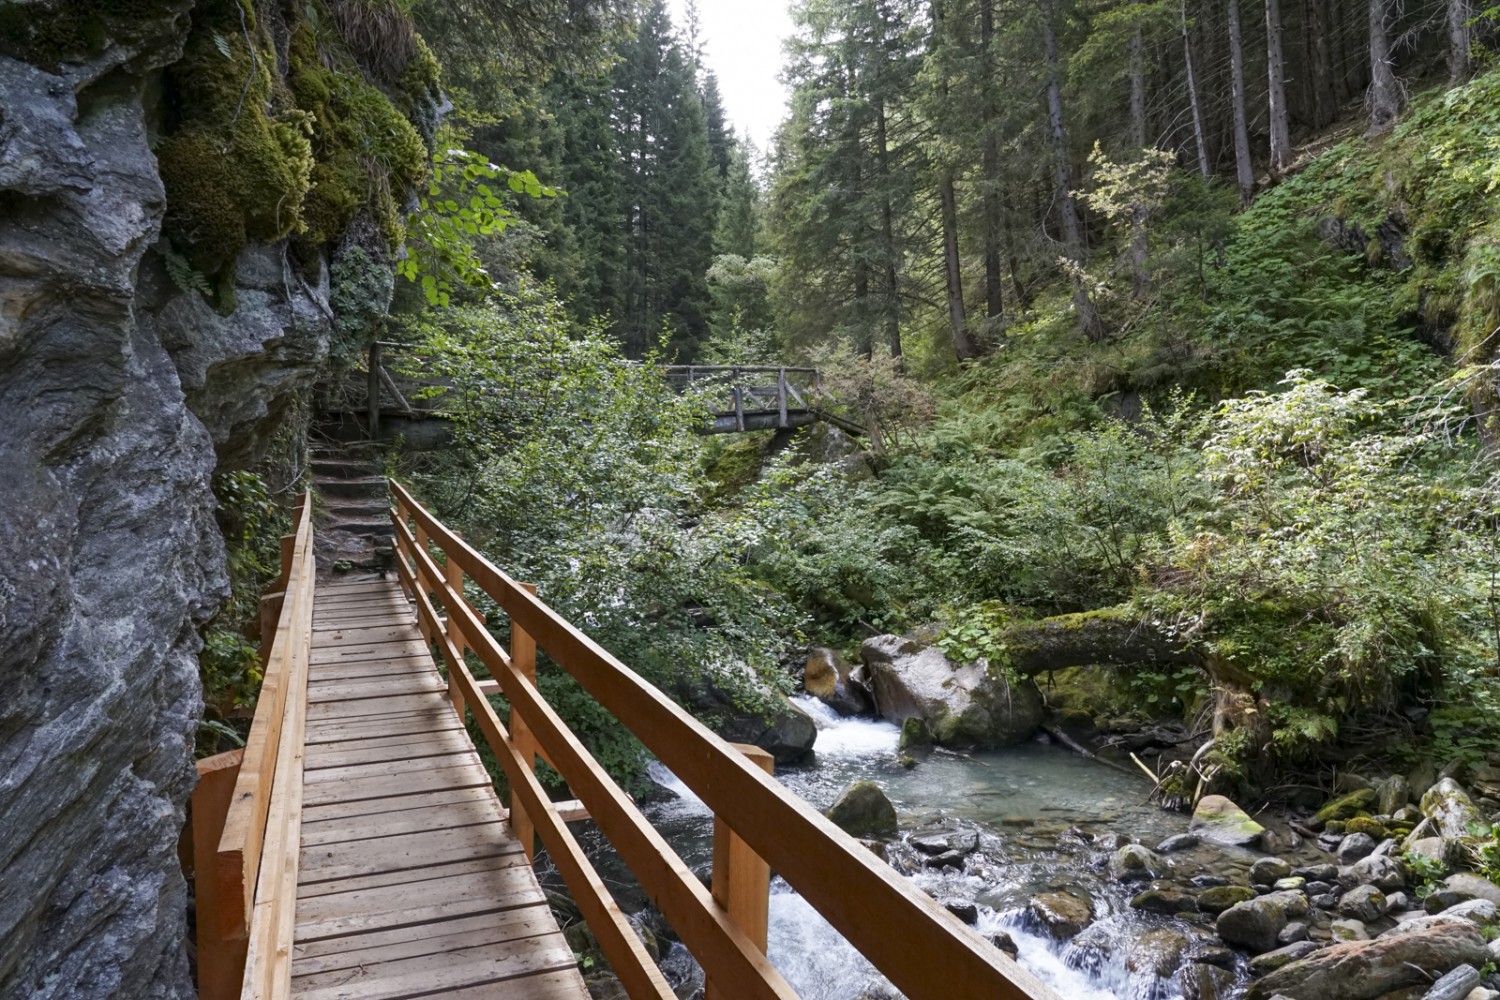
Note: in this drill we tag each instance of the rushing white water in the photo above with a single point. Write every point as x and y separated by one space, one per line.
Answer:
1022 801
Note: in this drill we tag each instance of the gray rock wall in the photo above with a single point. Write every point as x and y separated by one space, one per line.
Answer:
115 392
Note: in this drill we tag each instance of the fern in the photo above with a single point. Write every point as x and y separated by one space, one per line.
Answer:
186 277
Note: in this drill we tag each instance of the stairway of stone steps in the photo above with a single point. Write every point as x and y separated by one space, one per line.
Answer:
354 526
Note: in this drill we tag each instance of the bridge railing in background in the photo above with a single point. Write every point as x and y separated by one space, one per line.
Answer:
247 808
759 826
753 397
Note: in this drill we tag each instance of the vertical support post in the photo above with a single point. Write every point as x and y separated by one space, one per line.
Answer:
741 880
739 408
781 398
221 934
373 391
454 576
523 658
420 582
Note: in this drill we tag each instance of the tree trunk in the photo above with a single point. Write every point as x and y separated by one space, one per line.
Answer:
1325 96
1281 139
1385 91
1458 41
1193 100
888 234
958 320
1088 316
1137 90
994 293
1243 173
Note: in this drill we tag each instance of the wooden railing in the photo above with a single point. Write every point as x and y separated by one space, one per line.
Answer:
247 808
753 397
759 826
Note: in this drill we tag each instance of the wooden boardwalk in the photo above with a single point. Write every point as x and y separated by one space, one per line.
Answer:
409 881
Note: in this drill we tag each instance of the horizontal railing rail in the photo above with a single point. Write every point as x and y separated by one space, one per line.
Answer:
247 885
925 951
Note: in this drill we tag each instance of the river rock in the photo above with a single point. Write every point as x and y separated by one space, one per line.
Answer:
1168 901
1450 809
1177 842
1160 950
1445 853
964 909
1456 985
768 719
1202 981
1354 847
1219 820
1365 903
1062 914
1267 871
962 704
1134 863
962 841
1365 970
1479 912
1253 924
1393 793
1382 871
863 810
1349 929
828 678
1220 898
1272 960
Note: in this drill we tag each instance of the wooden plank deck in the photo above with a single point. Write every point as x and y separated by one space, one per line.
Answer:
410 883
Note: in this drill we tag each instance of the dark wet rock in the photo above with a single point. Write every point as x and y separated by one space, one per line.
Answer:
1272 960
1006 943
863 810
1293 932
1266 871
1317 888
776 725
1168 901
1317 873
1253 924
1209 881
1062 914
1109 842
1365 903
948 859
1201 981
1219 820
963 841
1178 842
962 704
1220 898
829 678
1353 847
1134 863
1366 970
1382 871
963 909
1325 901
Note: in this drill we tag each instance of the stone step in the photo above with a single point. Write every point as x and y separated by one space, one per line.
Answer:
357 488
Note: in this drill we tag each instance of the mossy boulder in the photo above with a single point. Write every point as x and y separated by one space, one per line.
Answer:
966 704
1222 897
1451 810
1366 825
1346 807
1219 820
863 810
1062 914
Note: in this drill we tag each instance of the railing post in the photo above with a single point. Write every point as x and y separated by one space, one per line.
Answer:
781 397
741 880
221 936
523 658
454 577
373 391
739 408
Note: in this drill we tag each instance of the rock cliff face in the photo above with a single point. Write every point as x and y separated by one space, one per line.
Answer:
116 391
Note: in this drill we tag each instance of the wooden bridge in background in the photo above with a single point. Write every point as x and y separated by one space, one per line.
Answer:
740 397
356 848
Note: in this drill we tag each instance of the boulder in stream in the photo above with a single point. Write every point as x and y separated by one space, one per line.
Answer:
1062 914
747 710
1365 970
961 704
864 811
1450 809
1219 820
828 678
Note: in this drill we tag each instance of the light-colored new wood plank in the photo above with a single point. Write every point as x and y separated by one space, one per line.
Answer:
393 748
343 815
411 876
394 768
423 683
323 793
347 913
349 859
488 963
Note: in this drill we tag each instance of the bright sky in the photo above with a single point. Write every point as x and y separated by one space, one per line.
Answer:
742 42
